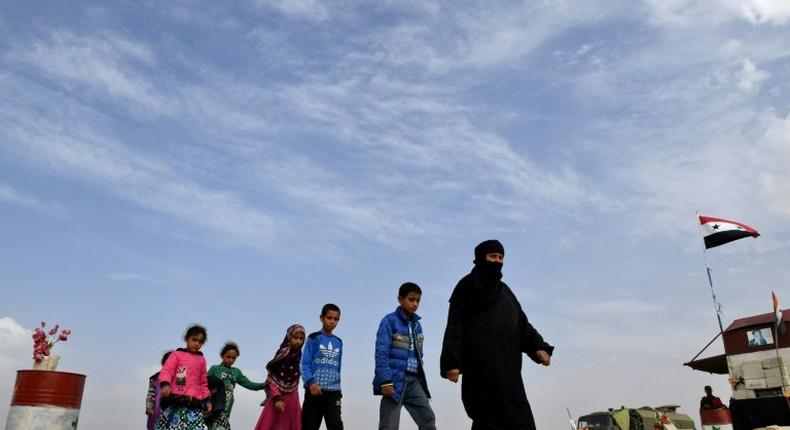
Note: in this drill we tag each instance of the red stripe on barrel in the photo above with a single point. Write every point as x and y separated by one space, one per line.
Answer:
715 416
48 388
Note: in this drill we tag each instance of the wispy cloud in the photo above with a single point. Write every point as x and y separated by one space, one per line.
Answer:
475 37
131 175
101 64
133 277
313 10
12 196
404 138
431 141
397 125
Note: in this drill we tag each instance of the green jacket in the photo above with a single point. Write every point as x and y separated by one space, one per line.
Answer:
232 376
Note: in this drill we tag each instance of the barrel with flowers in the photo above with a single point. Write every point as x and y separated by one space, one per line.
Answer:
44 399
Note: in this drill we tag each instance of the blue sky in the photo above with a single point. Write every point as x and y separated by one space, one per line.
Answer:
239 165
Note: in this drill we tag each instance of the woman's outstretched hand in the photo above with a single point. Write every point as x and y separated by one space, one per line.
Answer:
544 357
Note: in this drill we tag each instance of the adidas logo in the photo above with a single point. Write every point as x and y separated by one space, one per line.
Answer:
329 351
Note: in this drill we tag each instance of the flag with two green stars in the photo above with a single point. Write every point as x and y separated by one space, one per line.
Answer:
718 231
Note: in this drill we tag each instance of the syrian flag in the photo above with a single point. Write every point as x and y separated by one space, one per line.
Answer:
718 231
780 328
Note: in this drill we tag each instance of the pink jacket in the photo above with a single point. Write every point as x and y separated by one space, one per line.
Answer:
185 372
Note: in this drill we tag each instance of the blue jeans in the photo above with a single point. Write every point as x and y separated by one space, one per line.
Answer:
416 402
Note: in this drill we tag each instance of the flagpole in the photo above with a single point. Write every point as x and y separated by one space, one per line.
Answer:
574 425
781 365
777 333
716 306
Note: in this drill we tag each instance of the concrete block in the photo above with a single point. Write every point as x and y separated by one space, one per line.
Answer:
770 363
752 365
743 394
777 381
776 371
753 370
754 384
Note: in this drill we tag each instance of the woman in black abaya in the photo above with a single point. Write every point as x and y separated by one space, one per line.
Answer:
486 334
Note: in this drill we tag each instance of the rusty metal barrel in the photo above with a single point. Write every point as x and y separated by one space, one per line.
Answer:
45 400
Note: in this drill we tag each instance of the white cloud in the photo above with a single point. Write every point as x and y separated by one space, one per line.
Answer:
694 12
750 77
772 156
16 353
12 333
584 49
684 125
753 150
776 12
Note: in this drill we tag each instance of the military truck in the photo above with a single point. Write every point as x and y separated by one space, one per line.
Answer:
644 418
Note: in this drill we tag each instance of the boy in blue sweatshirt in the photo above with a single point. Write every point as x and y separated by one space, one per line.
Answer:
321 359
400 376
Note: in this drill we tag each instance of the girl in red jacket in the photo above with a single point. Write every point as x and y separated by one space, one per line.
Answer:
183 382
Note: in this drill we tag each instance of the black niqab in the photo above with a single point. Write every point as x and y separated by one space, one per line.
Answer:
485 287
491 246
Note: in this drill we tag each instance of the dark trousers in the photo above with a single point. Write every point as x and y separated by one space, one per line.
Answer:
326 407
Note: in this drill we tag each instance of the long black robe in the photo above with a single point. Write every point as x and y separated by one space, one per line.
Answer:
486 334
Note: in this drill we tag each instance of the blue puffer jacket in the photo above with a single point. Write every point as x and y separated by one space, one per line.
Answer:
392 352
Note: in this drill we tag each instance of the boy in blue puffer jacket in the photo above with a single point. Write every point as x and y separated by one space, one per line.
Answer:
400 377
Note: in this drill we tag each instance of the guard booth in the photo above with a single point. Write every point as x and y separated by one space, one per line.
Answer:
757 371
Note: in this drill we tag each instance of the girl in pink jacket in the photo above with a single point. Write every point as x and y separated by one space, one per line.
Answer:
184 385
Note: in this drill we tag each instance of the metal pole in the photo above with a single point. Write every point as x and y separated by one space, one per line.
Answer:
573 423
781 364
716 305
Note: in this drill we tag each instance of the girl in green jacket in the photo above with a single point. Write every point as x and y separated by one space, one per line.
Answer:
230 376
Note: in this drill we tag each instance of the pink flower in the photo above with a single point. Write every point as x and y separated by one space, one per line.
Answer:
44 340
